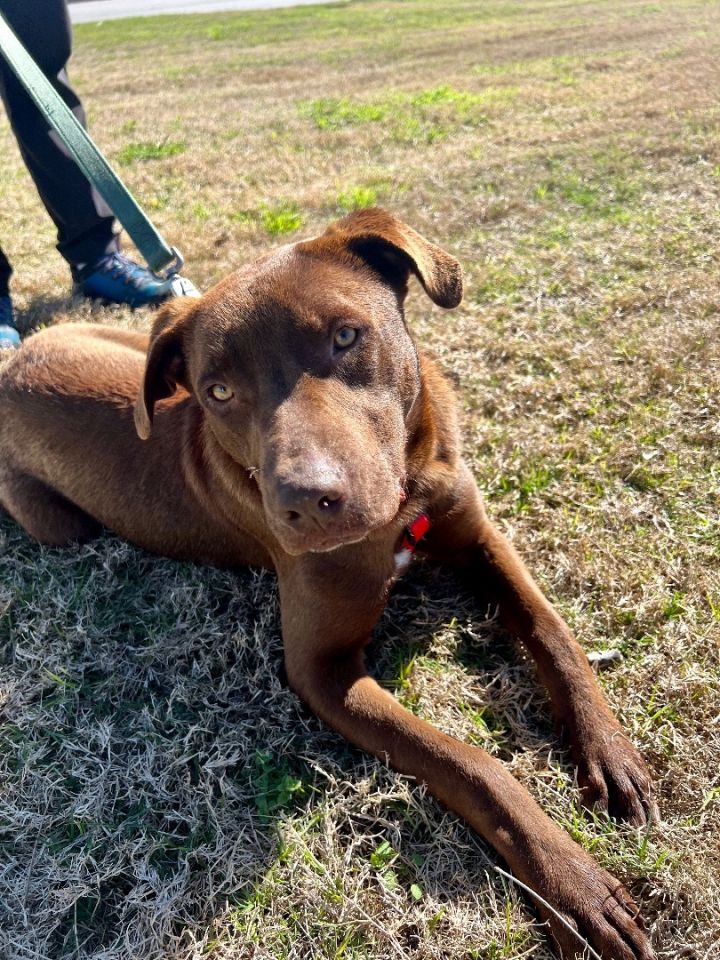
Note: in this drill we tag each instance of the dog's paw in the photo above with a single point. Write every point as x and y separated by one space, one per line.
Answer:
613 777
593 908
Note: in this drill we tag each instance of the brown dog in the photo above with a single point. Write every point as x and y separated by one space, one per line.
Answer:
287 420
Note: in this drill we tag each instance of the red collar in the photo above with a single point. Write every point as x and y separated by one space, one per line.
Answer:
412 535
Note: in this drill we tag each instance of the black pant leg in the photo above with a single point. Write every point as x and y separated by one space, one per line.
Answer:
5 274
84 221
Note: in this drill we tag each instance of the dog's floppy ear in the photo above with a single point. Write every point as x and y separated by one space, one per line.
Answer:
394 250
165 364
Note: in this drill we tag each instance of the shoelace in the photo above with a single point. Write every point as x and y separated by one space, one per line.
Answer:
120 268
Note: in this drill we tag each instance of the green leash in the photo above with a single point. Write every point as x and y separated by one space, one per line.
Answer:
93 164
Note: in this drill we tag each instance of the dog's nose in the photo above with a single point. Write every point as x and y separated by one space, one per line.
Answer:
322 509
319 498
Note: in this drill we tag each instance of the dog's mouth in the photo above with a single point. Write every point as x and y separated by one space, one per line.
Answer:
336 543
296 543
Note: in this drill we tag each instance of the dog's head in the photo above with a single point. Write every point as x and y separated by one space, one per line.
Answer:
307 374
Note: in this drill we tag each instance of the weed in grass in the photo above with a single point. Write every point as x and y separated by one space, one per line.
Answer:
675 606
200 212
147 150
714 605
487 727
513 943
381 861
402 685
356 198
281 219
216 32
330 113
274 785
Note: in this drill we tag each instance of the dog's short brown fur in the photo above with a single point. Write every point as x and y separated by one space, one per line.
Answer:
285 419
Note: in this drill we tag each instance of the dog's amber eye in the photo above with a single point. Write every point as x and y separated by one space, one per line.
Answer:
220 392
345 337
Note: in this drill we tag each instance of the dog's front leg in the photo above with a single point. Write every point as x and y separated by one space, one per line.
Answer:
612 774
325 628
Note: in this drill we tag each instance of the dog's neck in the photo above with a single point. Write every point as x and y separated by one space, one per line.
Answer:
432 428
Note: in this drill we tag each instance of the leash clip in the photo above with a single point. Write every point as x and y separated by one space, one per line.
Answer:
179 286
177 264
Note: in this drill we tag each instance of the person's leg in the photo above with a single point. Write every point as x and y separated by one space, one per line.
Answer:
9 337
84 221
5 274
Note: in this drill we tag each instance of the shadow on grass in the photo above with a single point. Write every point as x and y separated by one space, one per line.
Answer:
42 311
156 769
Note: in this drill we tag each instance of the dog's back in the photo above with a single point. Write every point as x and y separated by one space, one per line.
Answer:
71 461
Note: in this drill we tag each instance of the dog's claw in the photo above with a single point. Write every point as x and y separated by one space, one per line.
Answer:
595 910
613 778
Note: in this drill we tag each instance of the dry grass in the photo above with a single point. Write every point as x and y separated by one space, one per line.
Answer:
163 796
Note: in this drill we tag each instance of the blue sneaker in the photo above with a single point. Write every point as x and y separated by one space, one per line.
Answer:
116 279
9 337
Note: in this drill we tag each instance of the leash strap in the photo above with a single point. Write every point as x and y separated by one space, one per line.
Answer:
88 157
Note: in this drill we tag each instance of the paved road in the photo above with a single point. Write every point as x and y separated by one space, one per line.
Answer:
92 10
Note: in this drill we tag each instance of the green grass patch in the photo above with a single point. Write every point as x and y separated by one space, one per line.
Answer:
609 198
330 113
497 283
281 219
527 484
356 198
143 150
428 115
276 787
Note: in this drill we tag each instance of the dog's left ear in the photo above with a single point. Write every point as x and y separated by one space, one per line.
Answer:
394 250
165 367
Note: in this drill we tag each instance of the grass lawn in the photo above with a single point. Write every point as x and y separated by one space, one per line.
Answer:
162 794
